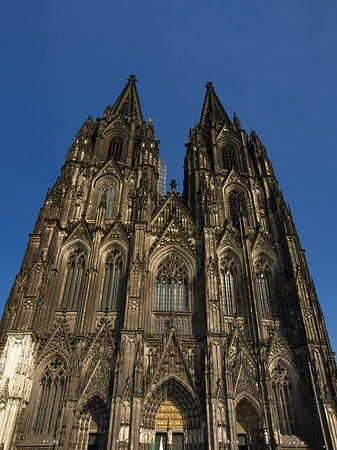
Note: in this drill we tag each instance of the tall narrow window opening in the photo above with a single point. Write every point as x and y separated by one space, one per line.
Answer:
230 286
112 281
264 278
172 285
237 207
115 149
51 395
283 399
107 193
228 157
74 280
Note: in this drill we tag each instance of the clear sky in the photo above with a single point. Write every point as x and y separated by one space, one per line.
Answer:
272 62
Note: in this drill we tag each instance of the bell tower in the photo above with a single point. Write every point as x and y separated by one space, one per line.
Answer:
140 319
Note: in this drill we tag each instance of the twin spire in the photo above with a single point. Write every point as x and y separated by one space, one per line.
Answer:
213 113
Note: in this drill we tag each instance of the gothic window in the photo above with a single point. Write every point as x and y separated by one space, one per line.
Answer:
106 193
74 280
51 394
112 281
172 285
228 157
237 206
115 149
230 286
264 278
283 399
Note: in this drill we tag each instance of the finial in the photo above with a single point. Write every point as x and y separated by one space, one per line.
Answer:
173 184
150 120
132 77
209 85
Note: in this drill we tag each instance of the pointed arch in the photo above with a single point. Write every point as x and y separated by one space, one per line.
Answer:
73 277
181 395
229 157
111 280
265 277
231 288
282 383
172 284
92 417
106 195
249 421
51 390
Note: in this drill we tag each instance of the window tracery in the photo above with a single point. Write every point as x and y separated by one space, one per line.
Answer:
230 285
265 285
172 285
237 206
283 399
52 386
228 157
112 280
115 149
74 280
107 193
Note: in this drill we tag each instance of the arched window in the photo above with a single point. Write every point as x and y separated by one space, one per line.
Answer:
283 399
265 287
106 193
228 157
112 281
74 280
237 206
50 397
172 285
230 286
115 149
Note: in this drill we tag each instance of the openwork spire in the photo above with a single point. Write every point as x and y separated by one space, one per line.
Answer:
128 104
213 113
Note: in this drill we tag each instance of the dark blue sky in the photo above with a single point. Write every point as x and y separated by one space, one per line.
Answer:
272 62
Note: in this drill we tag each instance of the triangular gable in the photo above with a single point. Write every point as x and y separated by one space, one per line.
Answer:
278 347
110 168
244 382
229 239
80 231
97 384
116 232
58 342
118 123
224 132
234 177
170 208
103 342
261 241
237 343
172 362
173 235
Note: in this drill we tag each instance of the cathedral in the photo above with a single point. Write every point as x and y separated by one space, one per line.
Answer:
143 319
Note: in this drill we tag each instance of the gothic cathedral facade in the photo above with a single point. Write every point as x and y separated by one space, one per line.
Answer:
143 321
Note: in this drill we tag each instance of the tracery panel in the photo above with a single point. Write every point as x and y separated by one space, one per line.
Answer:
265 287
283 399
113 275
172 285
74 280
52 386
229 275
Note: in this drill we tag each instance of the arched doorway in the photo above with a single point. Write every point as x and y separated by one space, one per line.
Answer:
169 426
171 411
95 431
248 426
92 421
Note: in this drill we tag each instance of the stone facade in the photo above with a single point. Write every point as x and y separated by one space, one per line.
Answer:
139 319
